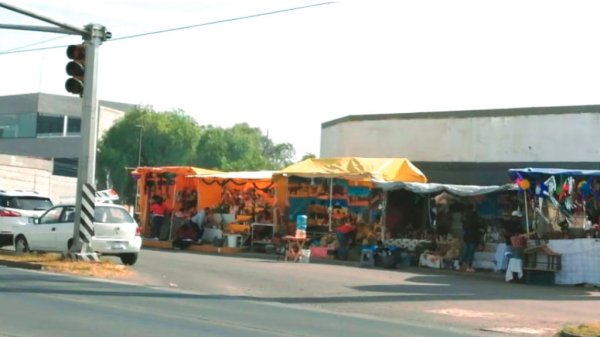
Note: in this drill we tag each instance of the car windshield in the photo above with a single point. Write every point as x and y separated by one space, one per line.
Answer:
103 214
30 203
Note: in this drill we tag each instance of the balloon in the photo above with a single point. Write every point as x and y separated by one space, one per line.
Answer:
585 188
524 184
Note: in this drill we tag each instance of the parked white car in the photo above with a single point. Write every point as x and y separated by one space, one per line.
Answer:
16 207
115 232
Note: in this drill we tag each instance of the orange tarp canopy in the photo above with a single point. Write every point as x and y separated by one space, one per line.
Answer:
171 194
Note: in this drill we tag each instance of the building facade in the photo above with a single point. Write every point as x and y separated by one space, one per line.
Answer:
40 140
472 147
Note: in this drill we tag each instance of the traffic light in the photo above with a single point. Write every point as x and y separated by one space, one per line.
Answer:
75 68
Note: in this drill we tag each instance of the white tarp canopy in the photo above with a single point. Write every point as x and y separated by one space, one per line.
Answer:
242 175
434 188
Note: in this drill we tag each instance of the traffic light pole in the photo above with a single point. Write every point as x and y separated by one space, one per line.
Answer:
86 173
93 36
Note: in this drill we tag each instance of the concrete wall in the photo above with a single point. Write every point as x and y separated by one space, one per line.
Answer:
33 174
521 138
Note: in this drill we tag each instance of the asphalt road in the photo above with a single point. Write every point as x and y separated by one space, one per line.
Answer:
41 304
462 301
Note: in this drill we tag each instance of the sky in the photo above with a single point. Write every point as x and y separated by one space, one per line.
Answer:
287 73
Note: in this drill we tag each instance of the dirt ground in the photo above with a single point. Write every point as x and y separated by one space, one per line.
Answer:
52 262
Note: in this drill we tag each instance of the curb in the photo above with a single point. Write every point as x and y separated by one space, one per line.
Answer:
21 265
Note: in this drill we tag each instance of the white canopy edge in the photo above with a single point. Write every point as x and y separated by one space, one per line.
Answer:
434 188
243 175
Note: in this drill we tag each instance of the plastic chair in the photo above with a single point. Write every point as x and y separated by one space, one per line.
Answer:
367 258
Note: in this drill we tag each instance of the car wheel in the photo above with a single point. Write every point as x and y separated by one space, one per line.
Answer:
129 259
21 245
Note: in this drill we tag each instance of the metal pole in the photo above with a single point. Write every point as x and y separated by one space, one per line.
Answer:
86 172
383 214
526 212
56 30
70 28
137 185
330 209
141 127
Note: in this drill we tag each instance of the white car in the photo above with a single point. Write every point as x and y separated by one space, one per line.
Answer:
16 207
115 232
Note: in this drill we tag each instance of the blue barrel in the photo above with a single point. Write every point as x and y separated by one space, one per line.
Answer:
301 222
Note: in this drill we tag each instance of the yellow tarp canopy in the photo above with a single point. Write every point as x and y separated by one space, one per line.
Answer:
356 168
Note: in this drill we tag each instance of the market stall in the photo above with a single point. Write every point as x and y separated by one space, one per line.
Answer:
244 210
433 237
173 186
334 191
563 213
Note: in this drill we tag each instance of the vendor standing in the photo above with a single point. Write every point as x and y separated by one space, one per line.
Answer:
158 212
343 234
472 233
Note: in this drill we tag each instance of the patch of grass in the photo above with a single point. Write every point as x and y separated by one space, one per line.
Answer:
583 330
56 263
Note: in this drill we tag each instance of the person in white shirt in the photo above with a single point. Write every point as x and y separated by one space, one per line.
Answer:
198 221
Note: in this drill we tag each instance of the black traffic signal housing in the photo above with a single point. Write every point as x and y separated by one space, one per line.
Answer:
75 69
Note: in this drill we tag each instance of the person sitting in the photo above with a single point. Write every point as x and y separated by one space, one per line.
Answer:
184 236
198 222
294 253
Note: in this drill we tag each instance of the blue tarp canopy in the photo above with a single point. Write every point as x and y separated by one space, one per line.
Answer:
530 171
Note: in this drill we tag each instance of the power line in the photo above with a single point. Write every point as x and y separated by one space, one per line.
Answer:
223 21
15 51
35 44
28 50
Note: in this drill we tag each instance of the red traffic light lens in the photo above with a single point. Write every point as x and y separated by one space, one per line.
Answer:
76 51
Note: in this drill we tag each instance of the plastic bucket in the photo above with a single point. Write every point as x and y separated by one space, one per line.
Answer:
232 241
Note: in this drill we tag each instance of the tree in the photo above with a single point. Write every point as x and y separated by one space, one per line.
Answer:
168 138
308 155
239 148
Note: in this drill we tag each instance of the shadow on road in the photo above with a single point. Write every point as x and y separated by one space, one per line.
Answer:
418 288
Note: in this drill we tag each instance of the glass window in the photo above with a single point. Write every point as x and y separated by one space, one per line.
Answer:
68 215
111 215
31 203
73 126
17 125
50 125
51 216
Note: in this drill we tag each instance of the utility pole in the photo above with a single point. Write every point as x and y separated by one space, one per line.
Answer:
139 163
93 36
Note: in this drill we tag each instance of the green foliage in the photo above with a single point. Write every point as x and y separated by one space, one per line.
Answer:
239 148
308 156
175 139
168 138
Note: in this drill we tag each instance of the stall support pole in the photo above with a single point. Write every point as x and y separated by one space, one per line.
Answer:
172 212
526 211
330 209
383 214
